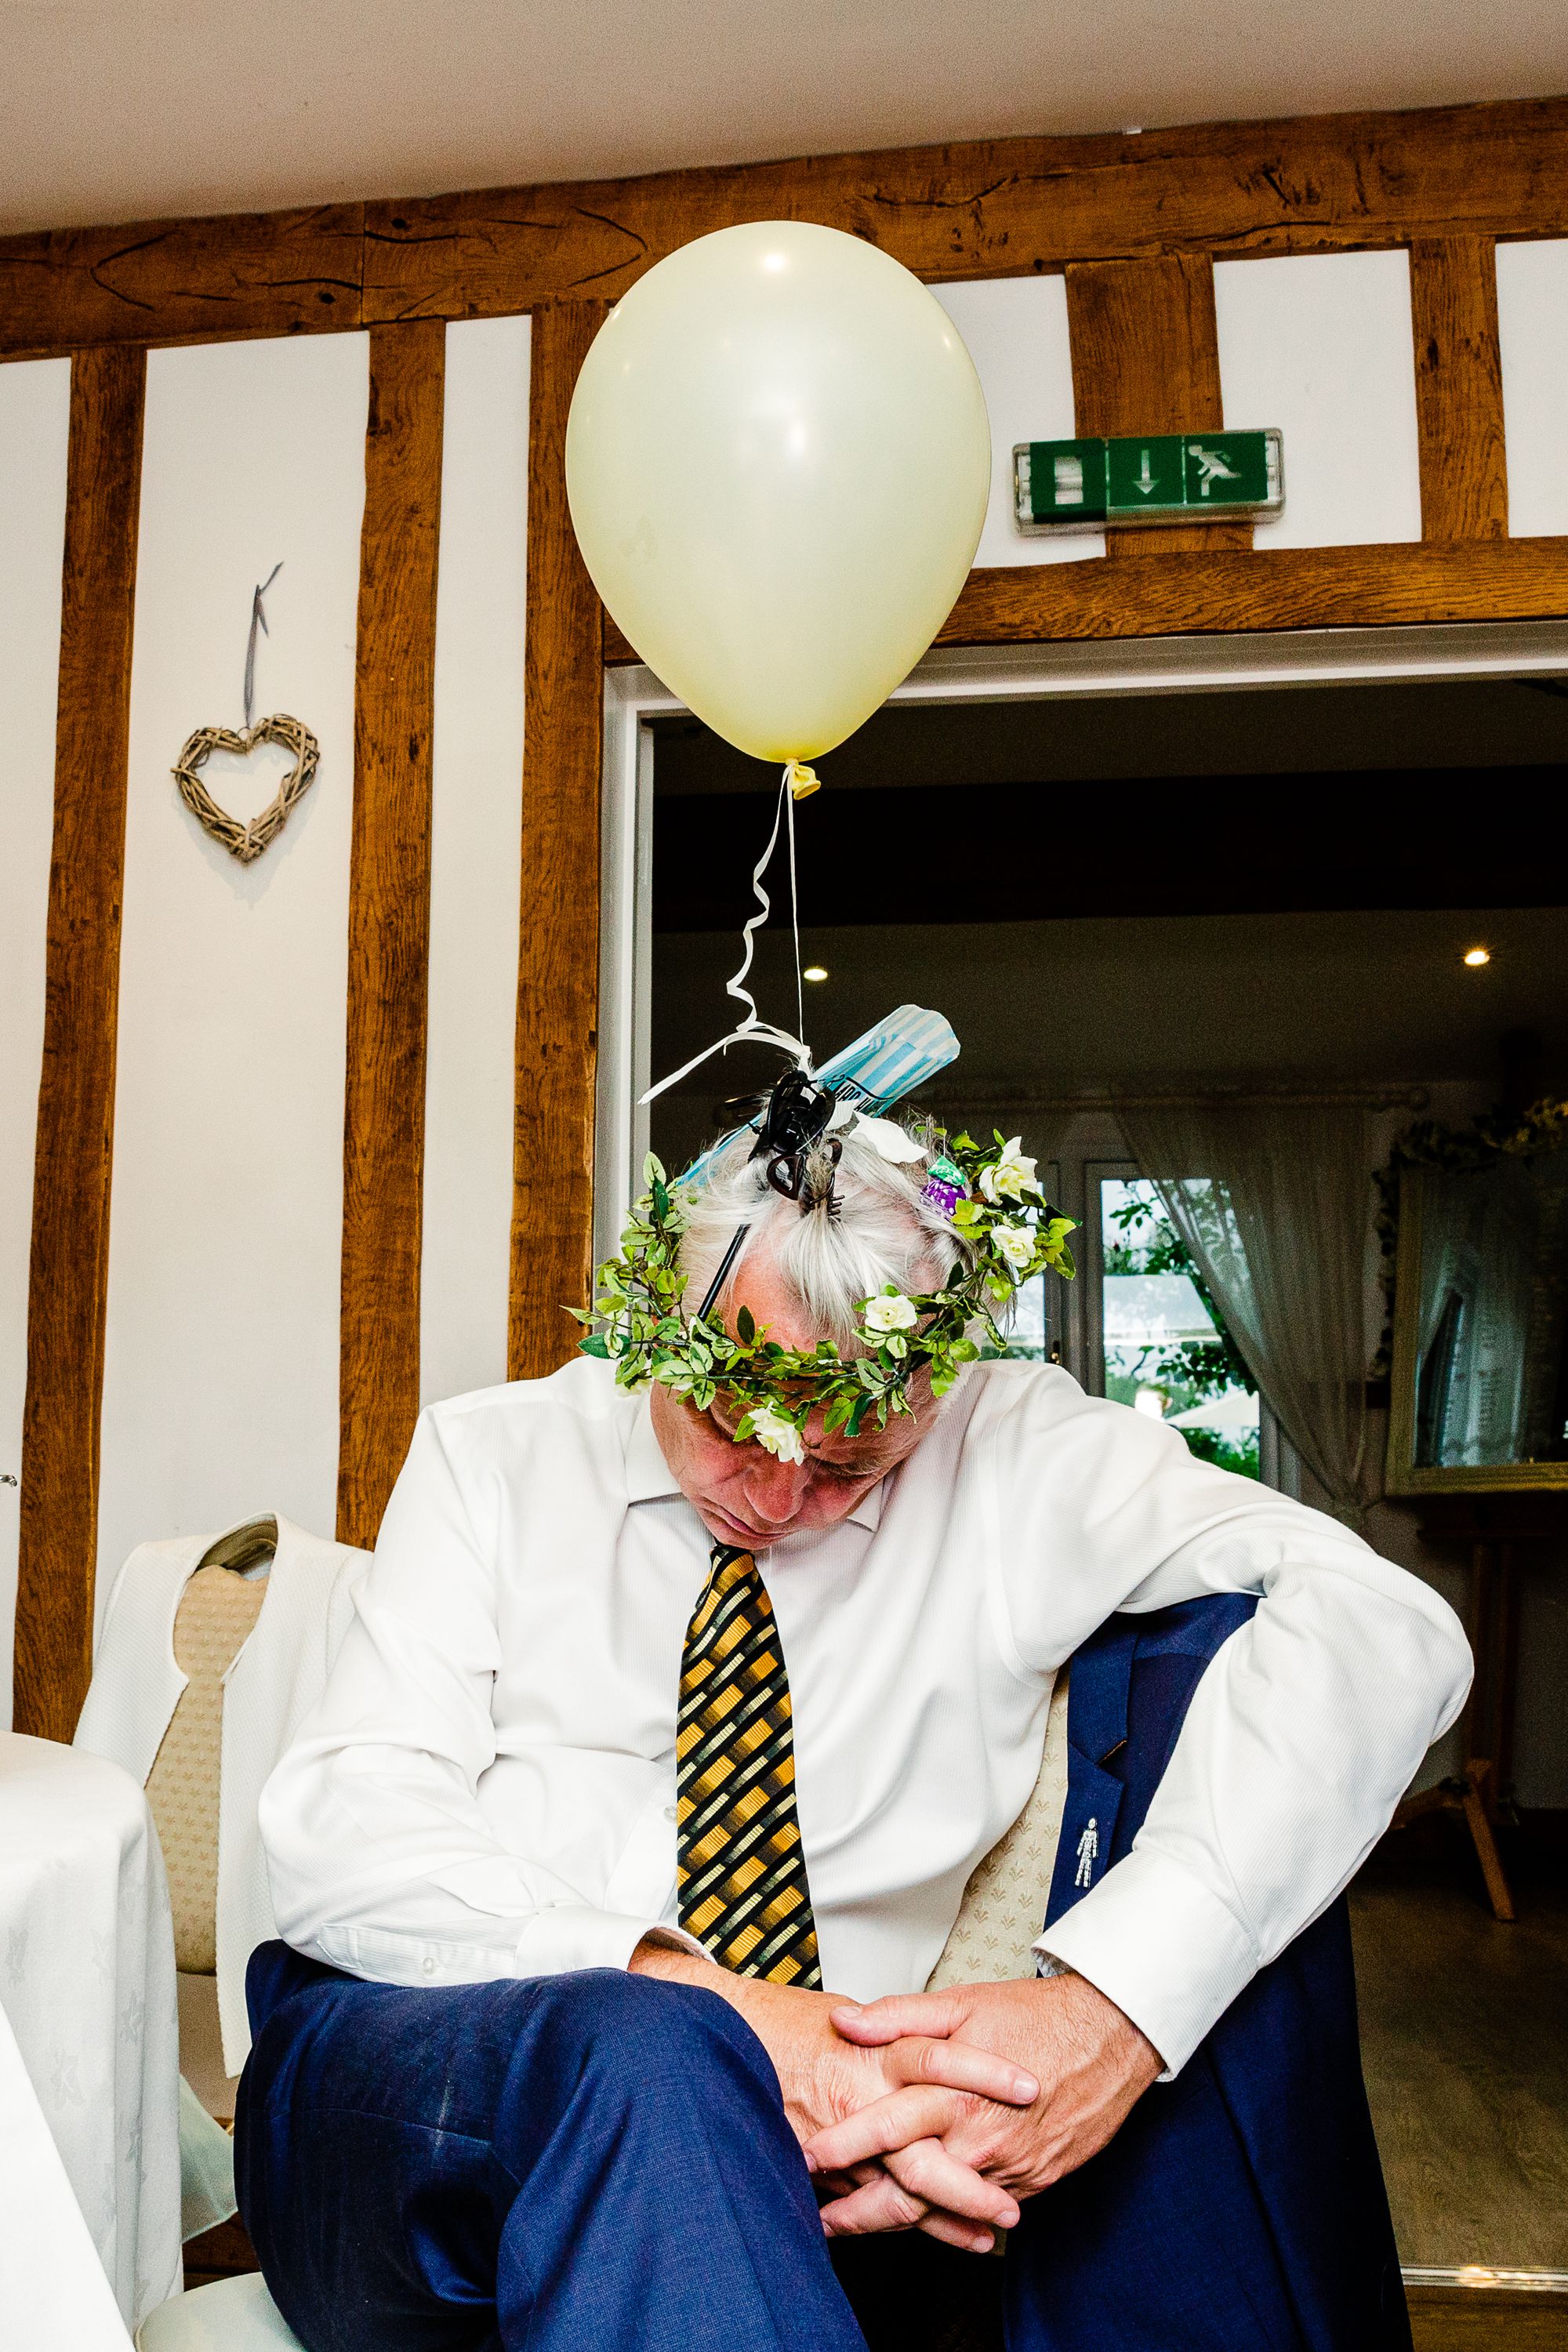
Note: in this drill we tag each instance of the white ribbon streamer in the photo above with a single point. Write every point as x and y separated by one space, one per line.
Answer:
794 784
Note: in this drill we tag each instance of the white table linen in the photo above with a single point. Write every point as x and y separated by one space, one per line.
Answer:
87 1985
488 1788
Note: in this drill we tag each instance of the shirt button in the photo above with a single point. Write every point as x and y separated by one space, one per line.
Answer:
428 1966
669 1812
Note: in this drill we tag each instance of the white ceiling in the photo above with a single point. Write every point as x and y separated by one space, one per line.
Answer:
126 110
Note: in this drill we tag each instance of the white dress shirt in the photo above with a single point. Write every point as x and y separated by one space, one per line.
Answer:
488 1786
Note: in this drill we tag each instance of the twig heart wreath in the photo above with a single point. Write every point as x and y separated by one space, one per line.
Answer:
247 841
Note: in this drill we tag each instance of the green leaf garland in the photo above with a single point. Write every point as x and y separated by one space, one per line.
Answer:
638 1323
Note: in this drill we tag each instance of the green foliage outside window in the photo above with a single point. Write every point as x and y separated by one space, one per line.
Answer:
1189 1371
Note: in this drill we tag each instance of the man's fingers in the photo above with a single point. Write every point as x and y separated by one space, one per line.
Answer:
926 2170
920 2112
963 2067
905 2130
880 2205
899 2013
969 2237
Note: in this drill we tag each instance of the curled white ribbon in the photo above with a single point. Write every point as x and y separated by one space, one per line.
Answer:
794 784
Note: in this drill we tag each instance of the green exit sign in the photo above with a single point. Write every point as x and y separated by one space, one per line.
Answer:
1062 486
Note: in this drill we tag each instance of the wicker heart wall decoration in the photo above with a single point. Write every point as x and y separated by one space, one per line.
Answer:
248 841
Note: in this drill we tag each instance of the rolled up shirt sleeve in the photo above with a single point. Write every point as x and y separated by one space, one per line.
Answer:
1304 1732
380 1857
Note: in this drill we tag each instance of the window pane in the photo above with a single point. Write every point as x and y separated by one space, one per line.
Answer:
1029 1330
1166 1353
1029 1333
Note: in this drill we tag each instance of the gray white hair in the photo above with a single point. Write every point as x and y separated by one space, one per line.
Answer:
882 1231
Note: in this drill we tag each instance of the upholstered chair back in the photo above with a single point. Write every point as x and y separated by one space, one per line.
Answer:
218 1613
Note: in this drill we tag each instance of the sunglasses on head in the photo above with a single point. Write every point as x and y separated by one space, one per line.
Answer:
791 1119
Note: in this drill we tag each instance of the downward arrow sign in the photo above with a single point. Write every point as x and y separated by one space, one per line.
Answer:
1145 480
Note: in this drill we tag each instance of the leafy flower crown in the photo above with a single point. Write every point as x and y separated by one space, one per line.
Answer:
987 1192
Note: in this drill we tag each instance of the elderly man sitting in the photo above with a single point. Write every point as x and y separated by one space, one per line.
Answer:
667 1706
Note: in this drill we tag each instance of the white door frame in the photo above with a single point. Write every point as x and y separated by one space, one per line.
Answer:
633 696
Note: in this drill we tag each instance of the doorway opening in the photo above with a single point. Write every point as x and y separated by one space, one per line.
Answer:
1319 879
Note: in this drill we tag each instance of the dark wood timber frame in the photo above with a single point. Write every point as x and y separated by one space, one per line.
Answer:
68 1286
1135 223
558 958
1145 359
389 920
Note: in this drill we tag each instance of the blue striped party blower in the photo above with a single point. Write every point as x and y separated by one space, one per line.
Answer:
878 1070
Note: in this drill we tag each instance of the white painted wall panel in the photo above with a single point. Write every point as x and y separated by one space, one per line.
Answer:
1016 332
34 421
1533 329
221 1375
475 858
1320 344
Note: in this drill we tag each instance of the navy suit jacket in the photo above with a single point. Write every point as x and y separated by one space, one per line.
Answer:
1241 2205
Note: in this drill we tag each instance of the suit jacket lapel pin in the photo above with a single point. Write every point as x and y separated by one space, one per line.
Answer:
1087 1853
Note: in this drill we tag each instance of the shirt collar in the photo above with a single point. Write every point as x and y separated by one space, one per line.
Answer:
649 1478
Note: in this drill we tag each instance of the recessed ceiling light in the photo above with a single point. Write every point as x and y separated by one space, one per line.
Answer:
814 972
1475 957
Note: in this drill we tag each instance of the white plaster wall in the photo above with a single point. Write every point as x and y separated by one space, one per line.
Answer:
1533 329
34 418
475 858
1320 344
1015 329
221 1375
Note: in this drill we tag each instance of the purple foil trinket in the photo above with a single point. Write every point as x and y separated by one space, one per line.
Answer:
944 1187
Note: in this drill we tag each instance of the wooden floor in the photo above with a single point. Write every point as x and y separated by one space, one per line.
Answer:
1465 2319
1465 2035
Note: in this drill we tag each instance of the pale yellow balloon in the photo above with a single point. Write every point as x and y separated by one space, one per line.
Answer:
778 461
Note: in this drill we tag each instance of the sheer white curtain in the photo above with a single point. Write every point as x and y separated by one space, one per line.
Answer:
1273 1200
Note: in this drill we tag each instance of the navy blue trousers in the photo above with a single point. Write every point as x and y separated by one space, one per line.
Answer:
566 2163
600 2161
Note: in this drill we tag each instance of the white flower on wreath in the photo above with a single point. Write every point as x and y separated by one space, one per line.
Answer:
892 1311
776 1433
891 1140
1016 1243
1008 1177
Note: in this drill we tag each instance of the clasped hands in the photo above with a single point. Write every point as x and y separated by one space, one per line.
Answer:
952 2157
939 2111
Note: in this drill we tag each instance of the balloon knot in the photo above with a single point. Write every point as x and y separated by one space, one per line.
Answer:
802 781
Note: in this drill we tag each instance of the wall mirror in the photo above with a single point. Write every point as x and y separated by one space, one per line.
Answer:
1479 1394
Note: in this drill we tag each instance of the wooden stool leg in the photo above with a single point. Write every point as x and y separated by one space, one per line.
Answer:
1477 1774
1438 1800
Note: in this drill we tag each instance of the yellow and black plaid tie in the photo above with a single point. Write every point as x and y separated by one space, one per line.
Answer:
740 1864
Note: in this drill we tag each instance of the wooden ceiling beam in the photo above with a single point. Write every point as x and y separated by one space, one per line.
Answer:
988 208
182 281
1402 586
1180 594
